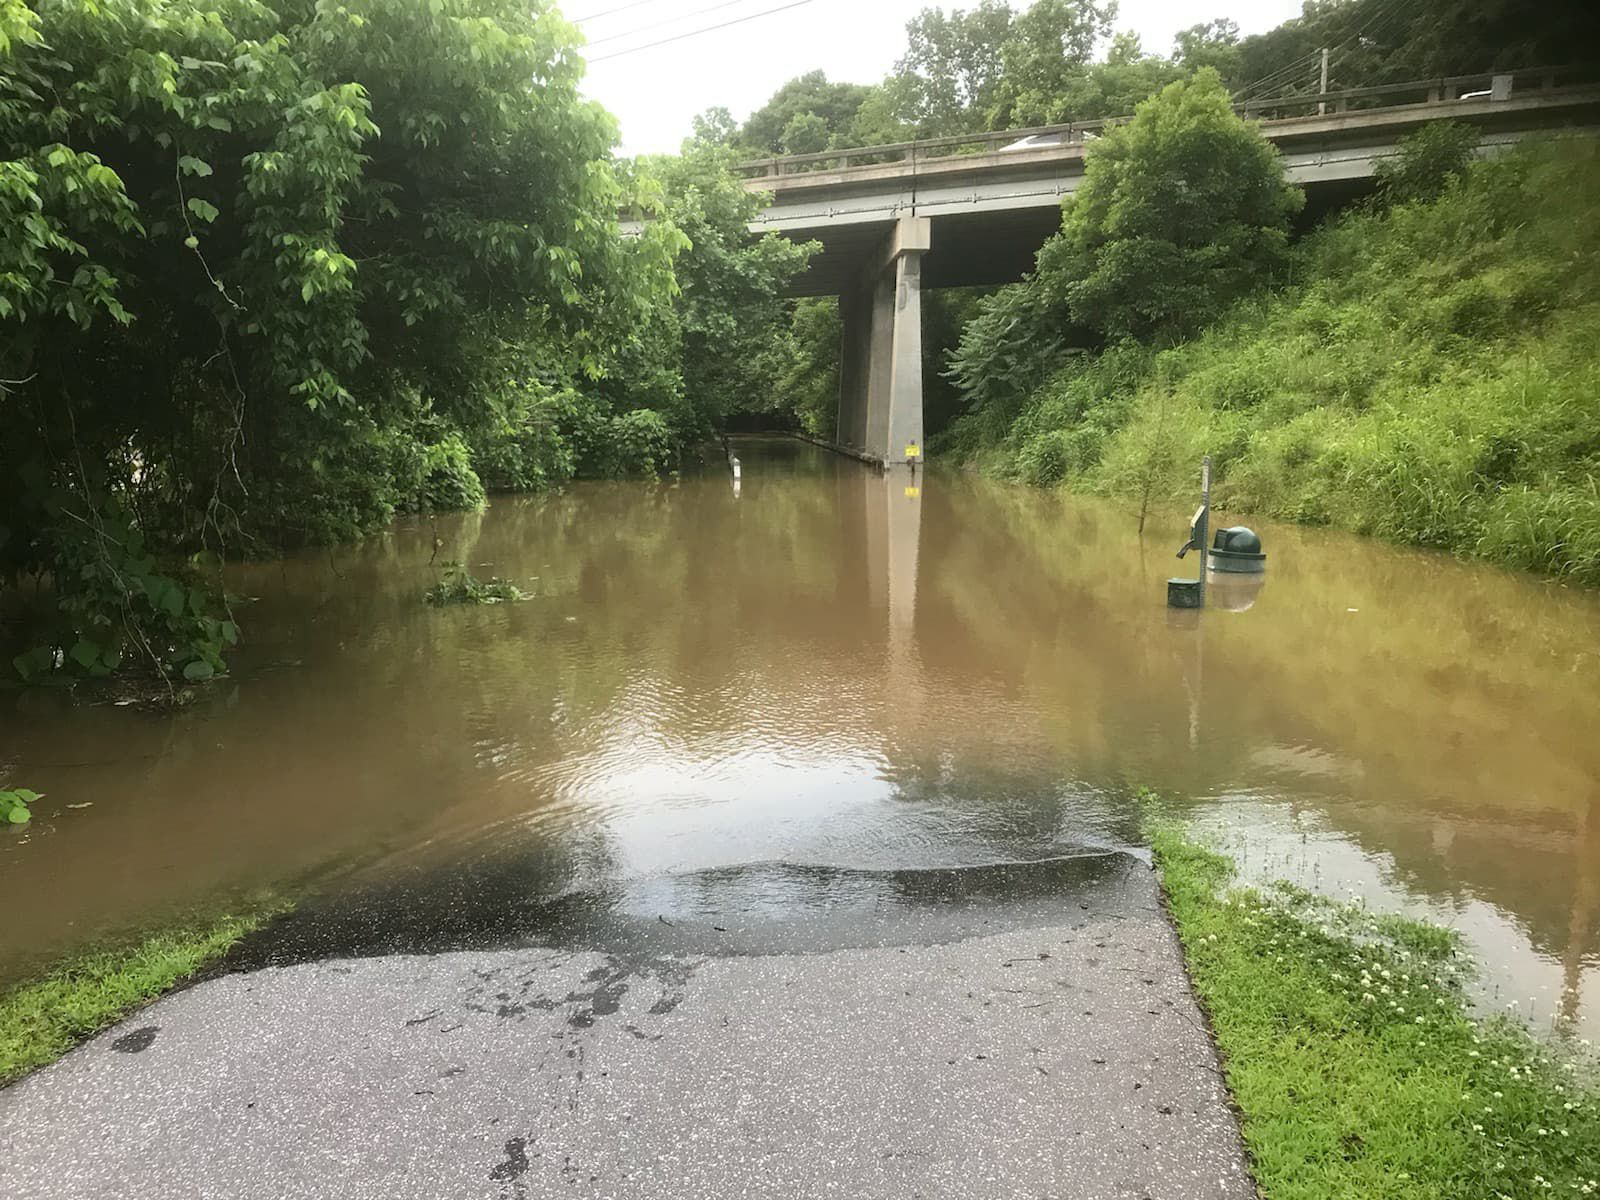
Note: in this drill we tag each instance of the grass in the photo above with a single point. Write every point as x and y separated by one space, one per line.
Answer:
42 1018
1358 1068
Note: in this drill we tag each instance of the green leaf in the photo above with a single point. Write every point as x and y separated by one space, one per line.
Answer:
27 795
198 670
203 209
190 165
85 653
35 662
192 242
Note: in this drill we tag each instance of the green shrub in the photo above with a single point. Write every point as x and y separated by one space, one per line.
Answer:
1426 162
526 449
449 484
458 585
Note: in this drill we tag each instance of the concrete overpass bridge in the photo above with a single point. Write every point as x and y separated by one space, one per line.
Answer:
969 211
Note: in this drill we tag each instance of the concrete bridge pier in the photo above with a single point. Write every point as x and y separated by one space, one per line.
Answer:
880 361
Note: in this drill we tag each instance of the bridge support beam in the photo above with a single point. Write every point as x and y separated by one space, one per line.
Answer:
880 360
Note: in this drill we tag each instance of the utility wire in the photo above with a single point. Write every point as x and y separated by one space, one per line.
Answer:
1280 77
1382 16
611 12
699 12
697 32
1273 77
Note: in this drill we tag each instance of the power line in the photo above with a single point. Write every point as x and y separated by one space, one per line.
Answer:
699 12
611 12
697 32
1280 74
1382 15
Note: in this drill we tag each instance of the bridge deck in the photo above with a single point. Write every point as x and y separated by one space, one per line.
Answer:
994 207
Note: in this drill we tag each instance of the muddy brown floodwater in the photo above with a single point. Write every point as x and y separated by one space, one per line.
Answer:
764 700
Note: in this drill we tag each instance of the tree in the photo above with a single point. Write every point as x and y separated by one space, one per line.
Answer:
1427 162
718 338
1213 44
1111 88
1046 53
953 65
806 133
262 264
1181 211
808 383
826 111
715 127
1374 42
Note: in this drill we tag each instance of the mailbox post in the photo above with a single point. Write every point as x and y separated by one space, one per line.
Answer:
1191 593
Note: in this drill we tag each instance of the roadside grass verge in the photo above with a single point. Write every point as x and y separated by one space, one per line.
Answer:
1357 1067
42 1018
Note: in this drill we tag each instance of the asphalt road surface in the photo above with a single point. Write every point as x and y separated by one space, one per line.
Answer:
1047 1047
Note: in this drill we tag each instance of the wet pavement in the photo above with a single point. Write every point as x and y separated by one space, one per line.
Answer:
965 1046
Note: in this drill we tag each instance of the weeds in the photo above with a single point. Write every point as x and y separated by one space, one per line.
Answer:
460 586
1355 1062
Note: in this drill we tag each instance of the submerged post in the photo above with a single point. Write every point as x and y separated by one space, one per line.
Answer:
1202 537
1191 593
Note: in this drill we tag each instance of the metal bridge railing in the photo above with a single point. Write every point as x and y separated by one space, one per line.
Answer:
1487 85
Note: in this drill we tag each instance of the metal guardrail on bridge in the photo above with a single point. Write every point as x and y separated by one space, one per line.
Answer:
1421 93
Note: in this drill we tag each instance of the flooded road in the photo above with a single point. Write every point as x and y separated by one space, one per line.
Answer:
828 695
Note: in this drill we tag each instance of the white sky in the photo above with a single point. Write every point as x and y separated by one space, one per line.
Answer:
655 93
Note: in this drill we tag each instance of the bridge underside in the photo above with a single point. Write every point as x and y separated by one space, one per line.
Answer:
888 230
969 250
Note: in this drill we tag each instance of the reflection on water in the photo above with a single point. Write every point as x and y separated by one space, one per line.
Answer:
779 696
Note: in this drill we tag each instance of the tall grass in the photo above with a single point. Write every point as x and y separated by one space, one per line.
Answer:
1433 378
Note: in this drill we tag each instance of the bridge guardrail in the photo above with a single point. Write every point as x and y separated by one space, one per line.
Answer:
1420 93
